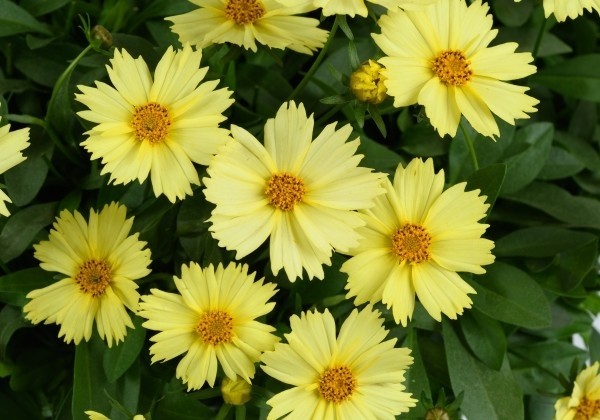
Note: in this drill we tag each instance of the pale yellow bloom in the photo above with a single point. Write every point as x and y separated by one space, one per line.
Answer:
94 415
235 391
12 144
563 9
359 7
212 321
584 402
246 22
366 83
440 58
156 126
416 238
350 375
300 192
100 262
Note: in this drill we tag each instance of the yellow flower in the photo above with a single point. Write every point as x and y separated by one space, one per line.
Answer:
211 320
416 238
564 9
439 57
584 402
157 126
366 83
12 143
302 193
246 22
100 261
235 391
358 7
94 415
351 375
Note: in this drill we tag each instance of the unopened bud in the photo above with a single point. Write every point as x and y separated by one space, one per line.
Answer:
437 413
366 83
103 35
236 392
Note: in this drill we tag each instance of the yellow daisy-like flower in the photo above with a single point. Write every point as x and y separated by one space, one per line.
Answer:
157 126
354 375
416 238
584 402
101 262
12 143
439 57
302 193
563 9
212 321
246 22
358 7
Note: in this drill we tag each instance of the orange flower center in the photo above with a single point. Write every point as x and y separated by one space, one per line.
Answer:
411 243
244 11
587 409
151 122
452 67
215 327
284 191
337 384
93 277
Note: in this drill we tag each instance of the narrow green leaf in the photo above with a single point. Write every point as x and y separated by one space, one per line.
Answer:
11 320
178 406
540 241
560 164
560 204
508 294
22 228
489 181
488 394
15 286
485 337
119 358
577 77
15 20
416 380
595 345
89 380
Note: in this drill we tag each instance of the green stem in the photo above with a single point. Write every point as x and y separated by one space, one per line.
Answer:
538 39
332 111
470 145
315 65
240 412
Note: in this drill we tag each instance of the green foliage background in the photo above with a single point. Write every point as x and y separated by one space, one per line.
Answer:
509 357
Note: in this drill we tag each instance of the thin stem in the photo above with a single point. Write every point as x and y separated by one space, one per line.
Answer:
470 145
315 65
538 39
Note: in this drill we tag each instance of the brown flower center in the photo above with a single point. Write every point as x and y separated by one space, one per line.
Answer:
411 243
587 409
244 11
337 384
215 327
93 277
284 191
151 122
452 67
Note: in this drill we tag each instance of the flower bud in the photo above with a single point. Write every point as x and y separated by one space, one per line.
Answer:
103 35
366 83
235 392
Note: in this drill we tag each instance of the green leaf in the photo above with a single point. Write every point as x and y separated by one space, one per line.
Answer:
179 406
577 77
38 8
25 180
540 241
527 155
560 204
421 140
22 228
377 156
15 286
508 294
15 20
119 358
594 345
488 394
416 380
89 380
489 181
560 164
485 337
511 13
11 319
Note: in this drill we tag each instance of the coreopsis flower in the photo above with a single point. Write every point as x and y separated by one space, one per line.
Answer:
94 415
440 58
350 375
100 262
584 402
212 321
563 9
235 391
155 125
359 7
300 192
366 83
246 22
417 237
12 144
